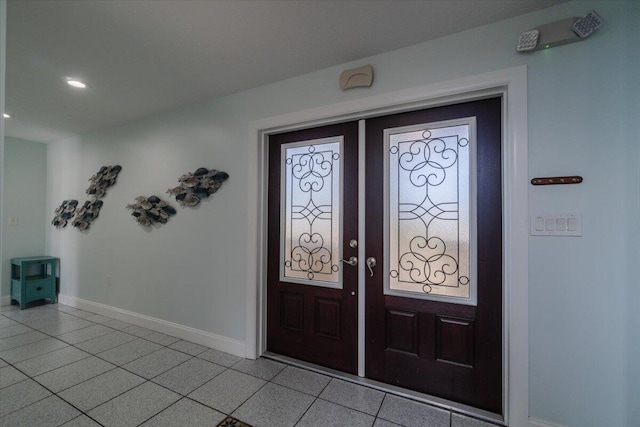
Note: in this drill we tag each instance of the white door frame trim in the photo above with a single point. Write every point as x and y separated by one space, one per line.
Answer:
512 83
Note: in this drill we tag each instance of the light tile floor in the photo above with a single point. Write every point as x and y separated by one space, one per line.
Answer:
60 366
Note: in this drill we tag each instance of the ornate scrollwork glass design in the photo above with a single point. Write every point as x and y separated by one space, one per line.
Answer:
429 201
311 208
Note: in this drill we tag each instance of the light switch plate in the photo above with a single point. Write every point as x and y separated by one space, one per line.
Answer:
549 224
12 220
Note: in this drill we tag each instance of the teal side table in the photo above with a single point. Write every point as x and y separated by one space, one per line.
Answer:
33 279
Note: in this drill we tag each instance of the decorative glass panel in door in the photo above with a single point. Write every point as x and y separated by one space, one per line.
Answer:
429 219
311 210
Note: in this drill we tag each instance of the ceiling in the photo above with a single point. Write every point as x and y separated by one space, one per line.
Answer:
144 57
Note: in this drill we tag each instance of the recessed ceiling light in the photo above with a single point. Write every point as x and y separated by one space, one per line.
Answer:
76 83
6 116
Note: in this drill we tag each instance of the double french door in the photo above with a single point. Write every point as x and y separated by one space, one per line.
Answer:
433 245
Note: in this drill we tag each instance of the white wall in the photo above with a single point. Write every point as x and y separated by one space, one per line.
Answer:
25 187
3 34
631 221
582 104
580 123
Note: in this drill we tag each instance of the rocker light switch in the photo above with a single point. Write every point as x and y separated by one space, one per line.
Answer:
539 223
549 224
12 220
546 224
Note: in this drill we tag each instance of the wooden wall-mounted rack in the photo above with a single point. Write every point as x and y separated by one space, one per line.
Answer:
555 180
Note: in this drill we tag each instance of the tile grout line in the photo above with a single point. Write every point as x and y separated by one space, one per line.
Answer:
89 355
318 397
155 376
183 396
384 396
61 366
121 366
252 394
382 403
158 413
32 403
52 394
186 395
81 382
306 410
115 365
46 397
247 399
66 345
82 414
46 337
33 357
180 395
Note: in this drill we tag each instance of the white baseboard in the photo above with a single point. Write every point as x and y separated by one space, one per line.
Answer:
217 342
5 300
534 422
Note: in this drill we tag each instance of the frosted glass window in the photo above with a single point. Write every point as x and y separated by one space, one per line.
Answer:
310 213
429 211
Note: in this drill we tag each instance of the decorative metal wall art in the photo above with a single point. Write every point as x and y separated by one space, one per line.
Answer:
197 186
65 212
151 210
102 180
87 214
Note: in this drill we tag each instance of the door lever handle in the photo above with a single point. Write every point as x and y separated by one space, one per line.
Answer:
353 261
371 262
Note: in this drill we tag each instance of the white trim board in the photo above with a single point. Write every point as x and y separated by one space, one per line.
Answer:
362 243
512 84
186 333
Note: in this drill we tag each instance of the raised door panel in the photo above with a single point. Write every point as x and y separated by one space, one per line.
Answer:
327 318
292 311
455 340
402 331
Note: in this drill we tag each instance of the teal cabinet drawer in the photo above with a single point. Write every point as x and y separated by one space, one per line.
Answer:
38 289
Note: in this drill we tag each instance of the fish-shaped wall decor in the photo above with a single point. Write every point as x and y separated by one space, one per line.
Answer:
152 210
198 185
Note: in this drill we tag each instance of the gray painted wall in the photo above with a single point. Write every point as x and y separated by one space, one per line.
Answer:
25 187
3 34
583 100
630 197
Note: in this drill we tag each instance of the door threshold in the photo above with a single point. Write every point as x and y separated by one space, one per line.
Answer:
449 405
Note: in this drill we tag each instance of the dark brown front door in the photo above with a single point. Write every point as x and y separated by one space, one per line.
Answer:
433 209
312 217
434 226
